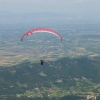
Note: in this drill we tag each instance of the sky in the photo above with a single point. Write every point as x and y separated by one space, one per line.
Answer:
56 6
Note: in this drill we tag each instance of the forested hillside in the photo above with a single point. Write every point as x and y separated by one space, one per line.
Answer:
53 79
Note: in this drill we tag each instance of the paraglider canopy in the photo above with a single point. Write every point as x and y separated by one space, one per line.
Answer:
42 30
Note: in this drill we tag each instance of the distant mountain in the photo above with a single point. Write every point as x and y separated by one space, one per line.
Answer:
7 15
48 17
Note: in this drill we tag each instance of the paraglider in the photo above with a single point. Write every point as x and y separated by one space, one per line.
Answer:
42 30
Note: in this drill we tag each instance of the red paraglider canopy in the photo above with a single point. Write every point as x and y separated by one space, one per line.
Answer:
42 30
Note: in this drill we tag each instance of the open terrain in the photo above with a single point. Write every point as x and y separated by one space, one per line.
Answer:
78 40
72 67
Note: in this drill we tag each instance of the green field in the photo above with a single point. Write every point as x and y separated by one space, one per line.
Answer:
72 67
76 43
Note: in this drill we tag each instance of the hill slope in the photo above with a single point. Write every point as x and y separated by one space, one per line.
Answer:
55 79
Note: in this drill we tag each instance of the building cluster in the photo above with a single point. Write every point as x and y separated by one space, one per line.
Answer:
88 97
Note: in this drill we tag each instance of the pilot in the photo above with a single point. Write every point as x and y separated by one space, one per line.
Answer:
42 62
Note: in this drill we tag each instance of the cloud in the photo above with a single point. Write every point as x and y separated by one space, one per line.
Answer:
29 1
61 6
86 0
79 0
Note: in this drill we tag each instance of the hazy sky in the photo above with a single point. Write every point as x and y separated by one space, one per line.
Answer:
58 6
